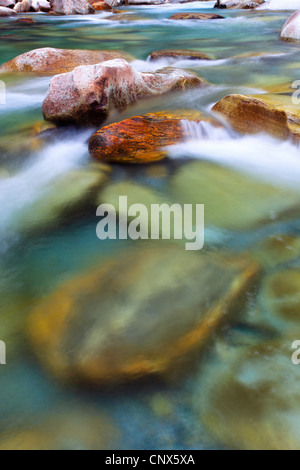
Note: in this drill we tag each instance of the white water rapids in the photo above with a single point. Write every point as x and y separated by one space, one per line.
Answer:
261 156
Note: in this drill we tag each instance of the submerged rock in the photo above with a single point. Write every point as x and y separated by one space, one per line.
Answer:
140 139
51 61
62 199
280 297
25 20
88 94
178 54
6 12
72 7
249 115
77 428
41 5
291 29
248 398
112 324
196 16
232 200
277 249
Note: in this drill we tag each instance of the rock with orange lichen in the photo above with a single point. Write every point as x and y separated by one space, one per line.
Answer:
90 93
249 115
113 323
51 61
125 142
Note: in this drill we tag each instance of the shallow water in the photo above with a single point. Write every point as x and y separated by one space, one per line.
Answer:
43 248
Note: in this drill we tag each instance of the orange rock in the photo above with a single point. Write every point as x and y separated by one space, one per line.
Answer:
196 16
249 115
101 6
139 139
25 20
51 61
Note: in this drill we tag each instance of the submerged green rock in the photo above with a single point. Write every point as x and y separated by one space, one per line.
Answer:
232 200
139 314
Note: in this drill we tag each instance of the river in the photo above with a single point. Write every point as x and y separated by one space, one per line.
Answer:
44 244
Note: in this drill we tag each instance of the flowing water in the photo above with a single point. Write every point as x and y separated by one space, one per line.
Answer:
45 242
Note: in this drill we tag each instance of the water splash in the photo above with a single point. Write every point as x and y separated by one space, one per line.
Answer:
261 156
204 130
21 191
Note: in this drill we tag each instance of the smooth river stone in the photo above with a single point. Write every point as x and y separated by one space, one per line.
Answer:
249 115
291 29
90 93
51 61
64 429
249 397
232 200
112 324
6 12
276 249
140 139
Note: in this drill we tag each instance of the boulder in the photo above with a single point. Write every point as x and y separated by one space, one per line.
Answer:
89 93
23 7
125 142
196 16
178 54
72 7
238 4
7 3
291 29
7 12
41 5
112 324
233 201
249 115
51 61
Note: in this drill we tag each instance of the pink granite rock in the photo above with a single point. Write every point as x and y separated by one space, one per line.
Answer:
88 94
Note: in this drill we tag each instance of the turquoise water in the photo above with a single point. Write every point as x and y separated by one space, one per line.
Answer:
40 252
